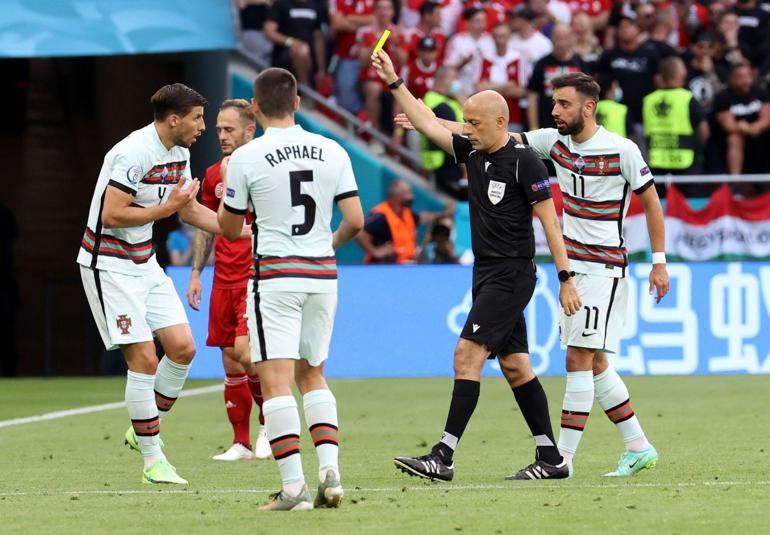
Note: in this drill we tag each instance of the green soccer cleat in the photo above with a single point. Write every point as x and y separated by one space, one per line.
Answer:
280 501
330 492
162 472
133 443
632 462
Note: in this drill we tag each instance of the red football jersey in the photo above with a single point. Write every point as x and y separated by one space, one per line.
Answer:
496 13
366 38
409 38
501 70
590 7
419 78
232 258
345 41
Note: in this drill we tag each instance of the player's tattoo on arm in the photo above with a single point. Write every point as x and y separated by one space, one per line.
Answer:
204 242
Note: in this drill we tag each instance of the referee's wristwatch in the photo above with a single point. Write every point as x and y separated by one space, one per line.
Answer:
565 275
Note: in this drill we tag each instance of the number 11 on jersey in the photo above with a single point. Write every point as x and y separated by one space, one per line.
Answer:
582 180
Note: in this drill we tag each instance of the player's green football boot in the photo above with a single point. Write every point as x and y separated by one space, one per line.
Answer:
632 462
162 472
133 443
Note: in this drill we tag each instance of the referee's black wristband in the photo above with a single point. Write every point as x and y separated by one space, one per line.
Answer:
396 84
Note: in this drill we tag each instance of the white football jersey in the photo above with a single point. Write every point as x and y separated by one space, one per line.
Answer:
291 179
596 178
142 166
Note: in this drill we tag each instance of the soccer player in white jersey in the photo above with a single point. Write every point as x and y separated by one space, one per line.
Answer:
597 172
292 179
144 178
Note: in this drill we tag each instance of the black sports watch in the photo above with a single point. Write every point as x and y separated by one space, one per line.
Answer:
565 275
396 84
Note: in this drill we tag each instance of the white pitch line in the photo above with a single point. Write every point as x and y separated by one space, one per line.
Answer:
98 408
426 488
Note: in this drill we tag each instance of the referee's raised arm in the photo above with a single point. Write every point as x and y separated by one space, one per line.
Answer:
421 117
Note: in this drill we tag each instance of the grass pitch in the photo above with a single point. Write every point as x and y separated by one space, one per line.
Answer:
73 474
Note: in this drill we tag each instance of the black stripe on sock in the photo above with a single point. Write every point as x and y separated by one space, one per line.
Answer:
312 427
143 420
626 417
325 441
282 437
567 426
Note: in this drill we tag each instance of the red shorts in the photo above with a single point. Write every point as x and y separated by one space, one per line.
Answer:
227 316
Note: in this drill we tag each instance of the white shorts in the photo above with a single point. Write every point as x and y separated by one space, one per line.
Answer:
129 309
599 324
290 325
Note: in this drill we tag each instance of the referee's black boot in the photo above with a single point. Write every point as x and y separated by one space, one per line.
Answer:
429 466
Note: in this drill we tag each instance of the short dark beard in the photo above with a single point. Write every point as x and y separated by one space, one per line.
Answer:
574 128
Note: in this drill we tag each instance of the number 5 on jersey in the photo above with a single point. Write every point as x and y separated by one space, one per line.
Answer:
298 198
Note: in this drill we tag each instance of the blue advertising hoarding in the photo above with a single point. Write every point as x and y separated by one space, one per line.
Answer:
403 321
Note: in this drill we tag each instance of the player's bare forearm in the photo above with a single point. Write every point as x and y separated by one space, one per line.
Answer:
653 213
352 221
117 211
202 245
201 217
546 213
231 224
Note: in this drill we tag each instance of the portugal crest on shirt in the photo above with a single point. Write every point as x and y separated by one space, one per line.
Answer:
124 323
601 164
495 191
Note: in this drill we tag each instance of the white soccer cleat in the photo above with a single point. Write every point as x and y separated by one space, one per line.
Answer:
262 450
237 452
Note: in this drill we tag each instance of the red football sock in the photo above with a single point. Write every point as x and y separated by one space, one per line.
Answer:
238 404
256 392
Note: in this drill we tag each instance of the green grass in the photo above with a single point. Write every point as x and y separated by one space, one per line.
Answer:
73 475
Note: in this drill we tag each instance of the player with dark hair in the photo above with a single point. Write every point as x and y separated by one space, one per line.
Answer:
144 178
292 179
236 123
507 182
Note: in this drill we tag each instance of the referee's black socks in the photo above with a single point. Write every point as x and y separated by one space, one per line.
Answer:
465 396
534 406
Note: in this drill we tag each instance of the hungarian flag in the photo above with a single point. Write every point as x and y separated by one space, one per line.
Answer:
725 229
634 229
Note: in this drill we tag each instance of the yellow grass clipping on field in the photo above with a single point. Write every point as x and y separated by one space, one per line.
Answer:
381 42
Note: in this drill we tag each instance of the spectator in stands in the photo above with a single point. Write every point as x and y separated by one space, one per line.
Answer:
494 10
674 123
253 14
754 30
345 18
633 66
294 27
706 75
502 72
664 25
586 42
179 244
611 113
390 230
729 26
429 25
549 13
742 113
527 40
419 73
597 10
366 38
445 99
563 60
465 50
438 247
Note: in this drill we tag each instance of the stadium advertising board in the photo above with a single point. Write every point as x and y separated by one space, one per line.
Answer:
403 321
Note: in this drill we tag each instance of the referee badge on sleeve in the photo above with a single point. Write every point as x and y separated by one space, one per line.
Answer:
495 191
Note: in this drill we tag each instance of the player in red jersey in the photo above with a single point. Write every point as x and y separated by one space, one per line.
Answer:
236 124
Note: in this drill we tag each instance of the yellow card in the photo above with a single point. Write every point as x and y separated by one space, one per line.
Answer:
381 42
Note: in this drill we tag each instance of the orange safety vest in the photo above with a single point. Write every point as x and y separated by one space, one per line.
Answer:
403 232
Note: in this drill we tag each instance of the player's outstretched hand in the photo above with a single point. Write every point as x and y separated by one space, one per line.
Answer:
182 194
384 67
569 297
659 282
194 291
403 121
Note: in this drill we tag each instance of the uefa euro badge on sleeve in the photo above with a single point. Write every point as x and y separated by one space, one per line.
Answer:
496 191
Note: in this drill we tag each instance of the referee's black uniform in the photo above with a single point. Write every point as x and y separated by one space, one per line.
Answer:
502 187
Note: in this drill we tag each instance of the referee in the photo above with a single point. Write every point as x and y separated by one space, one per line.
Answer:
507 181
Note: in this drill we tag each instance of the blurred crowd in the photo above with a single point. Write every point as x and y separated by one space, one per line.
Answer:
685 79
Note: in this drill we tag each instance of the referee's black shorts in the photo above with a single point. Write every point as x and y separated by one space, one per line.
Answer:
501 291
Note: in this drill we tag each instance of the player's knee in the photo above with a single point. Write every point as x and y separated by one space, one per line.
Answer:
579 359
146 363
184 353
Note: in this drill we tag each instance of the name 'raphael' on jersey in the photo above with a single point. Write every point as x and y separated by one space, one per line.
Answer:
596 178
291 179
141 166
